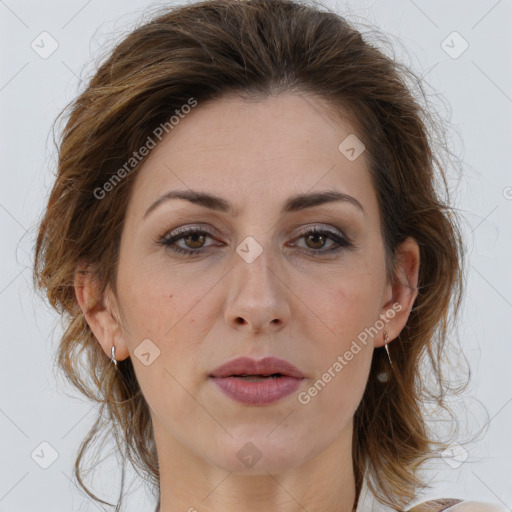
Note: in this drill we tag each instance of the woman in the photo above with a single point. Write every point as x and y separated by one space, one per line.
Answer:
248 239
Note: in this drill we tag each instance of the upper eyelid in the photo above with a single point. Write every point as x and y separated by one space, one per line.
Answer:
212 232
296 227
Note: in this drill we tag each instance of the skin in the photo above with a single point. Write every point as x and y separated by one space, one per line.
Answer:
205 310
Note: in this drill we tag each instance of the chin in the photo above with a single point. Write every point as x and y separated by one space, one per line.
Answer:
258 455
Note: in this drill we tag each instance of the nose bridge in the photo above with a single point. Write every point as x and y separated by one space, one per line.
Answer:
254 264
256 295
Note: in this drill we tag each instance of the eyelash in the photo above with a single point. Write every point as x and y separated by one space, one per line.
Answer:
168 240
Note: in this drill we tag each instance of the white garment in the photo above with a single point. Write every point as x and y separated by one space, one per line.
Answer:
368 502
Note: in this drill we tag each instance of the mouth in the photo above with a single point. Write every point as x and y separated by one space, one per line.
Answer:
268 367
257 378
257 383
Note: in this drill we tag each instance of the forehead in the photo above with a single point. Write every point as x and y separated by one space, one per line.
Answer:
256 150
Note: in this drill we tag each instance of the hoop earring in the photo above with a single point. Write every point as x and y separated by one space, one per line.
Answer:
113 358
386 341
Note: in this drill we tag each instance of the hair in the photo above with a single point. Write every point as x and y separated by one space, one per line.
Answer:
255 49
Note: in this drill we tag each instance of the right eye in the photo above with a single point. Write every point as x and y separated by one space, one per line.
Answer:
193 237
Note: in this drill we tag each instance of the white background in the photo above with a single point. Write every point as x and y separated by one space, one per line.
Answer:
477 86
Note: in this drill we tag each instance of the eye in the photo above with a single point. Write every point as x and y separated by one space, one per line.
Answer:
193 238
315 238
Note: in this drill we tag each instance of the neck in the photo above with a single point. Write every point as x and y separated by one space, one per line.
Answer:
190 483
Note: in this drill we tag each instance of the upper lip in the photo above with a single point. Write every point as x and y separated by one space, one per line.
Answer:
265 366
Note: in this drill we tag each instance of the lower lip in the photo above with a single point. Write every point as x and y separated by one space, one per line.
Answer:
263 392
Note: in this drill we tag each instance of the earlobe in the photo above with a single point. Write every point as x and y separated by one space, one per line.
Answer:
403 289
100 313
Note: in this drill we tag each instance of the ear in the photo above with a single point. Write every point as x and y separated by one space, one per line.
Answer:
401 293
100 312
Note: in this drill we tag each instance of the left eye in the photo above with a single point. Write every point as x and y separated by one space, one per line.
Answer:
315 238
194 240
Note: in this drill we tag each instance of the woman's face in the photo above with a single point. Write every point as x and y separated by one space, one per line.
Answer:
262 284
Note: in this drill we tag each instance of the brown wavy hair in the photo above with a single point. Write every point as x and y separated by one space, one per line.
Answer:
258 48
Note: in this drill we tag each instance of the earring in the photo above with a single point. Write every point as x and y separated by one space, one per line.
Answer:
386 341
113 358
384 376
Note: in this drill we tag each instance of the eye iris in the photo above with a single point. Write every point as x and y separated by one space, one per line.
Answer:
195 236
317 236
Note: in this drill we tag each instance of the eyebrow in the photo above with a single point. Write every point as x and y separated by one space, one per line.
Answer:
292 204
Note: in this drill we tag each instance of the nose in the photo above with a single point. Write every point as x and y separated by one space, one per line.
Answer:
258 296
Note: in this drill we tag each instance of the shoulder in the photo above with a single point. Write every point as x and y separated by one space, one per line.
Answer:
455 505
476 506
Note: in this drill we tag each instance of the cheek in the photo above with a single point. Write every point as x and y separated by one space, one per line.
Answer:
163 322
347 303
171 310
155 300
344 351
